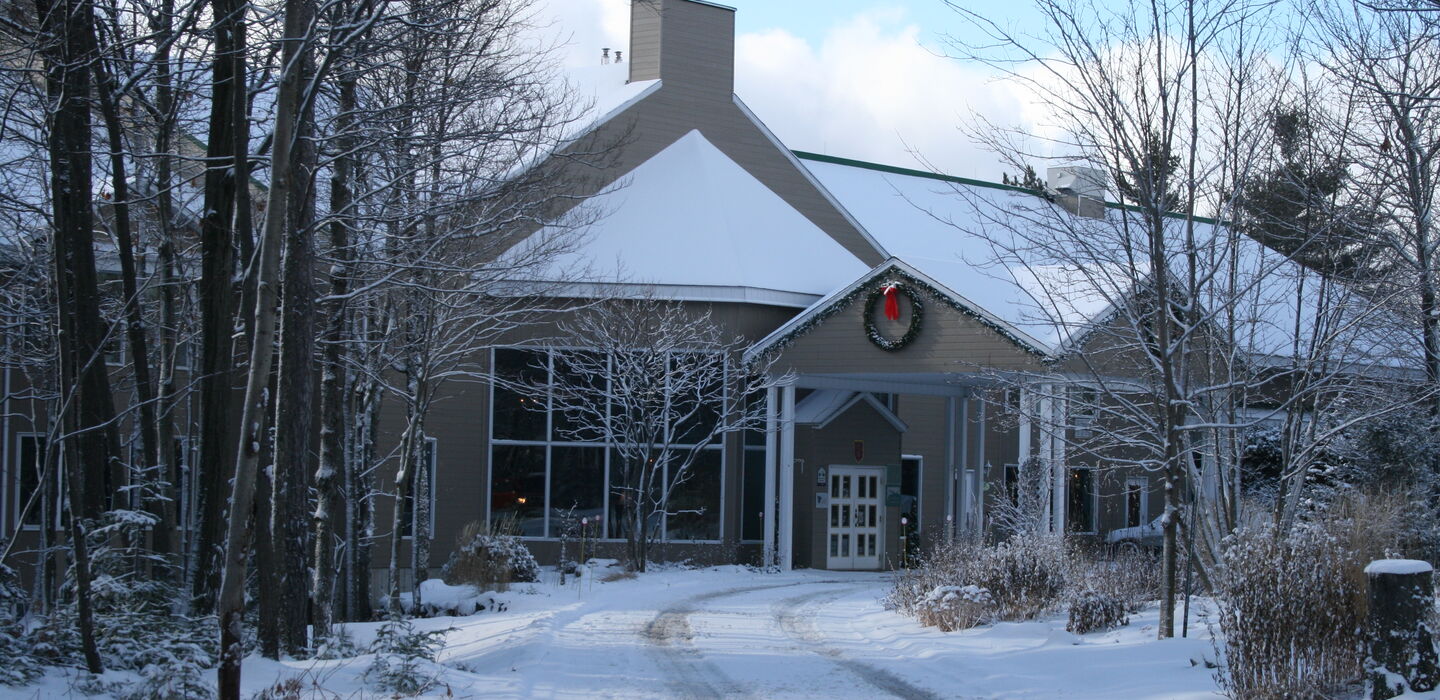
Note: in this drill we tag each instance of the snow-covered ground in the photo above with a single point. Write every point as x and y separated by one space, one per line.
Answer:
732 632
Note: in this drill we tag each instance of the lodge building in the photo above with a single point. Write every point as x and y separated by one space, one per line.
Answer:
890 321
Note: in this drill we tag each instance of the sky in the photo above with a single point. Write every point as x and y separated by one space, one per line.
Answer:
864 79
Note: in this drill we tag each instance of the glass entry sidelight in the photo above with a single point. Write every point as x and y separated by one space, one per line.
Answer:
855 536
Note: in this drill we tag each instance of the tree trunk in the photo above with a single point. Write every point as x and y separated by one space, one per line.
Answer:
294 405
226 154
134 319
67 29
242 495
328 484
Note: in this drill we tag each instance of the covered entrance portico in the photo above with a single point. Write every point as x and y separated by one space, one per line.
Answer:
836 482
904 412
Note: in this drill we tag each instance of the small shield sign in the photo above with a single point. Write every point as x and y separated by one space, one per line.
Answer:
859 450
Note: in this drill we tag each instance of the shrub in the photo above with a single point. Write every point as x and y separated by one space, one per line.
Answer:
1094 610
955 607
1131 576
489 558
1288 609
1024 577
401 655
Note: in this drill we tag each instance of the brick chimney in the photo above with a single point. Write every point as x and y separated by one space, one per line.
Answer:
689 44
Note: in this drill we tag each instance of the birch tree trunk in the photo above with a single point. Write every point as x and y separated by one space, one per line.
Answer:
231 601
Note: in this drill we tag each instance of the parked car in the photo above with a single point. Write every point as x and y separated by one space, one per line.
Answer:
1151 535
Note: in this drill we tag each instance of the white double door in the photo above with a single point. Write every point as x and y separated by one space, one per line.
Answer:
855 535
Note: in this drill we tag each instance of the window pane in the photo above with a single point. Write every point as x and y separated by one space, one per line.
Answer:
752 504
583 374
625 478
697 404
695 502
1079 511
32 460
519 413
577 487
517 489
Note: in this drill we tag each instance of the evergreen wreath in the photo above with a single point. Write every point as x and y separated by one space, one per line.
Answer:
917 314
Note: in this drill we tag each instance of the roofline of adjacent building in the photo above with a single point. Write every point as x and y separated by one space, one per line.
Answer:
971 182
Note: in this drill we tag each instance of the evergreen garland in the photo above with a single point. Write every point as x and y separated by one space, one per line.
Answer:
844 301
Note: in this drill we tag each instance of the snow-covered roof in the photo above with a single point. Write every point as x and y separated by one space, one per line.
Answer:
923 222
693 222
824 405
957 233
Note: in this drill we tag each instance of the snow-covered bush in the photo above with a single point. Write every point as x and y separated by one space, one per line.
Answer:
489 559
1131 576
953 608
440 599
1024 577
136 626
1292 610
20 666
1094 610
403 656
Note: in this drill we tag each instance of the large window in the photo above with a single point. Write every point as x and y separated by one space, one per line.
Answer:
549 471
25 477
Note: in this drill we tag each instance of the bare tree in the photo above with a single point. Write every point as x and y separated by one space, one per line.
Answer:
659 383
1164 318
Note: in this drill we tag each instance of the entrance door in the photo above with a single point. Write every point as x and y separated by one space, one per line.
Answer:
855 538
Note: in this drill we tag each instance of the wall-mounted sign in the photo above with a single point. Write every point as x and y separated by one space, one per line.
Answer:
892 496
822 499
859 450
821 475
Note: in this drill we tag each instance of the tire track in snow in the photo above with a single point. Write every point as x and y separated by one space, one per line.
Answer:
672 638
796 617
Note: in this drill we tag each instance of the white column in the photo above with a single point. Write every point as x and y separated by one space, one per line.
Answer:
1058 483
767 518
981 467
952 511
787 478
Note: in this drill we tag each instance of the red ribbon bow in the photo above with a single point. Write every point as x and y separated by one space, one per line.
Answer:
892 305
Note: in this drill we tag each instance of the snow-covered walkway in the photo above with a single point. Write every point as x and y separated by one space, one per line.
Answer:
728 632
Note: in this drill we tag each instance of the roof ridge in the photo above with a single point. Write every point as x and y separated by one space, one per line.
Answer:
956 179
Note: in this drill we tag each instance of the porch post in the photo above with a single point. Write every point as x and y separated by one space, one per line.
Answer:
767 517
787 478
981 466
951 470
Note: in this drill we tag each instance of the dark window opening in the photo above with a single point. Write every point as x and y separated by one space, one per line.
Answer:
1080 505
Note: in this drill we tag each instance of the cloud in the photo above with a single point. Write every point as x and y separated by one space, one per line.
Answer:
869 89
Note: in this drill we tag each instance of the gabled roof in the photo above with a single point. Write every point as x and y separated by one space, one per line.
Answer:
693 222
841 298
825 405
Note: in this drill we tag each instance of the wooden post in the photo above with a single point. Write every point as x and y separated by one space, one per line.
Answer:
1402 653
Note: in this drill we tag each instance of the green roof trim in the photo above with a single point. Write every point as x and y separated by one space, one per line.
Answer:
910 172
896 170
